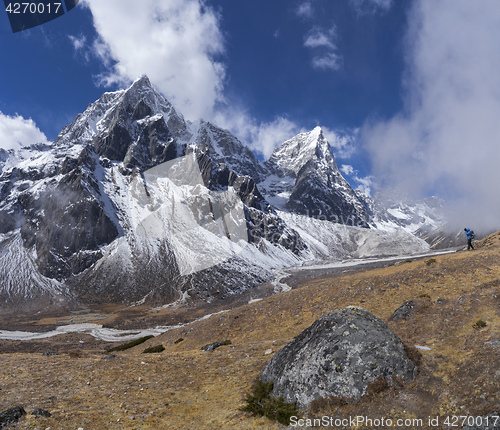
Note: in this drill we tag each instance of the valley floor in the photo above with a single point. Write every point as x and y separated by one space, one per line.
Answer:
186 388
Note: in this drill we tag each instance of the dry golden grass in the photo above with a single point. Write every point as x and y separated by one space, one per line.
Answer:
185 388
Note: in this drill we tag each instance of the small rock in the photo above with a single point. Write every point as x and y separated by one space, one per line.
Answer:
268 351
494 343
109 357
41 413
49 353
213 346
405 311
11 416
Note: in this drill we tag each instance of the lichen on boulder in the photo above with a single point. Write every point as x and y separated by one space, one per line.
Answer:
339 355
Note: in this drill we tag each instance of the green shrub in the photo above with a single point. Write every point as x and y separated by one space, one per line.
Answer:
424 295
260 402
479 324
153 349
131 344
430 261
178 340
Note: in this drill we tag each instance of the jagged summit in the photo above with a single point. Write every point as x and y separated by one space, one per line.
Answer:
139 100
292 155
306 180
137 126
142 81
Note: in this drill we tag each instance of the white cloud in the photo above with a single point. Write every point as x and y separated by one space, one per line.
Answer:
305 10
78 42
319 37
347 169
371 6
17 131
342 142
322 41
365 184
177 43
446 140
261 137
330 60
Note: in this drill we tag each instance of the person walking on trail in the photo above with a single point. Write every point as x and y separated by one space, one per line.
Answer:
470 235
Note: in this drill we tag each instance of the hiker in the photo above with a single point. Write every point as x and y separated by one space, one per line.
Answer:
470 235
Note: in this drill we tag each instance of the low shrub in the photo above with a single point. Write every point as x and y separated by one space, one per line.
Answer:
260 402
153 349
179 340
479 324
131 344
430 261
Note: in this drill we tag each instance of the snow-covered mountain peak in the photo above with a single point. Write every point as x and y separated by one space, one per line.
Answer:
295 153
305 179
101 214
127 110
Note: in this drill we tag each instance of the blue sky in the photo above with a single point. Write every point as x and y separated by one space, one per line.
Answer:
407 92
285 66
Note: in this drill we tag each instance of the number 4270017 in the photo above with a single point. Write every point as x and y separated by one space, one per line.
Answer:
33 8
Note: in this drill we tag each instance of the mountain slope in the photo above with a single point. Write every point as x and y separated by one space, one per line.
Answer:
133 203
83 209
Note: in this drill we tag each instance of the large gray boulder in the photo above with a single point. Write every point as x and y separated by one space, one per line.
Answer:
340 355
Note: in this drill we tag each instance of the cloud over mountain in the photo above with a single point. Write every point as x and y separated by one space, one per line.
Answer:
17 131
446 139
177 43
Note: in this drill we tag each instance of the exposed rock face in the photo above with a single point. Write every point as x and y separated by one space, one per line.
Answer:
305 174
11 416
225 148
340 355
94 217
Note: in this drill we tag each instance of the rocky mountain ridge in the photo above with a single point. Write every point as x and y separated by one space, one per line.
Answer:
133 203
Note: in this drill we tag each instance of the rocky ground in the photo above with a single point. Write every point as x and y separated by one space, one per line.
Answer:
454 314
